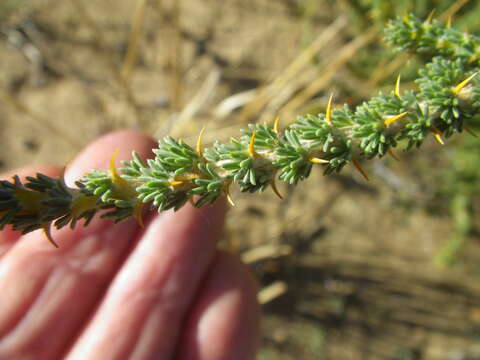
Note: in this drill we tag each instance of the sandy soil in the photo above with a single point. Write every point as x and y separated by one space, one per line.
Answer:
362 282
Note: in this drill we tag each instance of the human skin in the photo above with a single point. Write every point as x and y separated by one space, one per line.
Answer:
122 292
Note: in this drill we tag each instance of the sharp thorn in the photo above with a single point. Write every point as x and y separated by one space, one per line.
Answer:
449 22
275 189
397 86
229 197
328 112
275 125
316 160
175 183
464 83
430 16
360 169
137 212
391 119
46 230
392 154
113 169
251 145
199 142
438 136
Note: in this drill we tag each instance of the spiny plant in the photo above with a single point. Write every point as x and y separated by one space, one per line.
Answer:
447 99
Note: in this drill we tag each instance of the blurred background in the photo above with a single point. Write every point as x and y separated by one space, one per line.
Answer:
348 268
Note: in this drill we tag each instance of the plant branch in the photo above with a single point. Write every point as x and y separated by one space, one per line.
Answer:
447 98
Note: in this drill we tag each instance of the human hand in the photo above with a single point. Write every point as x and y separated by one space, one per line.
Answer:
121 292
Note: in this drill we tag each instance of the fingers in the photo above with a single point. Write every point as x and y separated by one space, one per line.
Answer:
223 324
48 293
8 236
142 313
